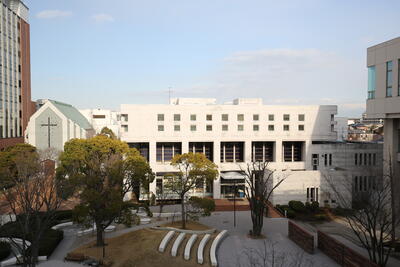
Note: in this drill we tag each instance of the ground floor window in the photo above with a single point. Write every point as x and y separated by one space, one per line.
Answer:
312 194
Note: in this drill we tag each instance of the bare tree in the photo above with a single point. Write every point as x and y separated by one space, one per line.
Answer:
267 255
370 218
259 187
33 200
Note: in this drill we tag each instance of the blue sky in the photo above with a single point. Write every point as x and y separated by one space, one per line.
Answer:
100 54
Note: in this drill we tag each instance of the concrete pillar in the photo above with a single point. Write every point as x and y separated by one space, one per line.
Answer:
217 182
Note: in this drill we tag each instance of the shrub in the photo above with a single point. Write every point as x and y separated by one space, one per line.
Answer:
297 206
5 250
291 214
321 217
312 207
339 211
63 215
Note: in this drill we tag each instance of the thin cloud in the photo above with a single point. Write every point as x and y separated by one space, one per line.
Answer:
53 14
100 18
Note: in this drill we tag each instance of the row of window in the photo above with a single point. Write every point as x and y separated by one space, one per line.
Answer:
225 127
364 183
225 117
389 80
230 151
365 159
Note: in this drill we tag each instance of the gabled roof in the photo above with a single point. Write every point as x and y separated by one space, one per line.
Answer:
72 113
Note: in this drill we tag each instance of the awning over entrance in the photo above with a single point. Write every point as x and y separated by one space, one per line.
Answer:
232 175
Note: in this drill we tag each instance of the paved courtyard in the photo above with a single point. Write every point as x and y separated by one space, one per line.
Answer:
234 250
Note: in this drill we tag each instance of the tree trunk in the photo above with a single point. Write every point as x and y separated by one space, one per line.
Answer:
183 213
99 230
257 217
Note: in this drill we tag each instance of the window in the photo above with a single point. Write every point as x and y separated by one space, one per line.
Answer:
271 127
143 148
224 127
292 151
209 117
240 127
301 127
177 117
161 128
124 128
240 117
99 116
193 128
364 183
389 78
256 117
124 117
330 159
301 117
232 151
371 82
256 127
160 117
312 194
271 117
262 151
166 151
193 117
159 185
286 127
224 117
177 128
202 147
315 161
209 127
286 117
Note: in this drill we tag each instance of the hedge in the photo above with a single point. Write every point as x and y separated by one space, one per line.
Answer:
5 250
50 239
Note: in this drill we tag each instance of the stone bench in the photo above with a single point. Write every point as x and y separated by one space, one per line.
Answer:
145 220
61 225
214 247
189 245
200 250
165 241
176 244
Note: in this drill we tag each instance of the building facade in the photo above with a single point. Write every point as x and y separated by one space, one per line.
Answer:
100 118
300 142
383 62
15 78
54 124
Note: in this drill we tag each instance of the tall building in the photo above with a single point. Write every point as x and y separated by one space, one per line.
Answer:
15 75
383 62
300 142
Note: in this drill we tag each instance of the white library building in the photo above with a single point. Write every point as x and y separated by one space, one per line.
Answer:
300 142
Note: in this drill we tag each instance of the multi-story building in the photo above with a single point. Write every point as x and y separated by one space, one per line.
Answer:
100 118
383 62
300 142
15 82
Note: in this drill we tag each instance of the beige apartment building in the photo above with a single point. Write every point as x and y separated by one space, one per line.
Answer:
383 61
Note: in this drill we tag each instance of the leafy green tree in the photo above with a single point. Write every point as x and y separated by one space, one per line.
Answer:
192 170
101 171
108 132
8 162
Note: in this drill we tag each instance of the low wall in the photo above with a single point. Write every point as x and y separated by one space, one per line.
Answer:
301 237
342 254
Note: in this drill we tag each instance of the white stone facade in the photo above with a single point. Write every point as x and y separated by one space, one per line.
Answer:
286 135
100 118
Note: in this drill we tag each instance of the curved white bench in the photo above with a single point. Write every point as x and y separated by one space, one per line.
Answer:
61 225
177 243
109 228
145 220
17 241
165 241
200 250
214 246
189 245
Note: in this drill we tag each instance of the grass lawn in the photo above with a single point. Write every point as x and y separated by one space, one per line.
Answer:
140 248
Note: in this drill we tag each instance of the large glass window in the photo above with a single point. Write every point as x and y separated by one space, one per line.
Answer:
292 151
166 151
202 147
232 151
371 82
143 149
263 151
389 78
